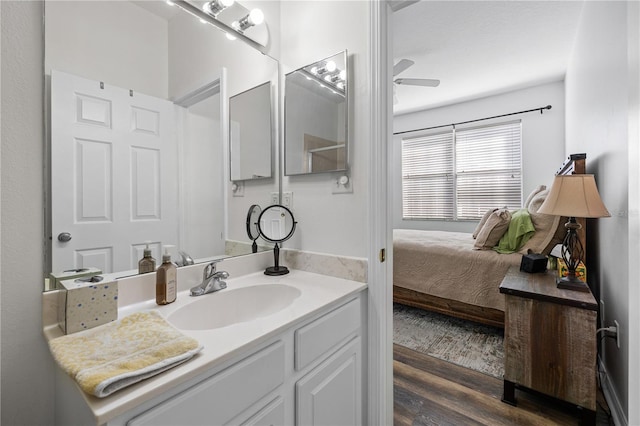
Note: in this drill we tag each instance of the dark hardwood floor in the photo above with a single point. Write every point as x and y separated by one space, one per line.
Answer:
429 391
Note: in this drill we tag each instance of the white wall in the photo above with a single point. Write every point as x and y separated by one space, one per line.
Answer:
542 140
81 40
313 30
27 368
597 90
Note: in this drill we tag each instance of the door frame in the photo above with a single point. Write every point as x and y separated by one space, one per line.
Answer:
380 330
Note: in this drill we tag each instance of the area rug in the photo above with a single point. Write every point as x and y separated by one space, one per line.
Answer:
465 343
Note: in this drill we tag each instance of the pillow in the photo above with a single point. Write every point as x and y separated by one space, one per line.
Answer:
493 229
536 201
549 232
520 230
549 229
482 222
533 193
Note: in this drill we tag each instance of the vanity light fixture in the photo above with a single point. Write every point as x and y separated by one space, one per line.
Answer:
214 7
255 17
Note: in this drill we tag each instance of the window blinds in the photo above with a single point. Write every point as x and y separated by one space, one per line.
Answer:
460 174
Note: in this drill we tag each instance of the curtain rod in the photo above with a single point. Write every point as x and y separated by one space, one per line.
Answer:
473 121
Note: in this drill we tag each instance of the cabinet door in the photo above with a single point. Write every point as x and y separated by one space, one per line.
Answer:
331 394
220 398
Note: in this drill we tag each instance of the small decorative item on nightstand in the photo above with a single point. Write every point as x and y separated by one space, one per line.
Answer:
573 196
533 262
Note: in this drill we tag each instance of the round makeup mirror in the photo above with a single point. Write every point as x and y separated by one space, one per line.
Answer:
276 225
253 230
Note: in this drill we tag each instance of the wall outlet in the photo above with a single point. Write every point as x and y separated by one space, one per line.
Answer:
287 200
274 198
617 333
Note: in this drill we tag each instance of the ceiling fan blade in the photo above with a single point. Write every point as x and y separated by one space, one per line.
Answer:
417 82
402 65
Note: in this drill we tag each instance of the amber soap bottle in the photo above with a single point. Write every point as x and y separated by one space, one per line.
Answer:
147 263
166 280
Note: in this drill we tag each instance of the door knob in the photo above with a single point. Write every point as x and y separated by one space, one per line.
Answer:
64 237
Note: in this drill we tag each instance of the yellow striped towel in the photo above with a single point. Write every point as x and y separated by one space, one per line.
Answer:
110 357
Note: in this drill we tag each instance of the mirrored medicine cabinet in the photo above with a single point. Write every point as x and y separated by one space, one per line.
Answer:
145 88
316 117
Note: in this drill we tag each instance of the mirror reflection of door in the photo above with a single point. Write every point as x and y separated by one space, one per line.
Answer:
202 197
114 169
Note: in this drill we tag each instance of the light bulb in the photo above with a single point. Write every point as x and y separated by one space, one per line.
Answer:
343 75
214 7
256 17
314 70
340 85
331 66
327 78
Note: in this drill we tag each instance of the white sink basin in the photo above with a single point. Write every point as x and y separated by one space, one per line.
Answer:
232 306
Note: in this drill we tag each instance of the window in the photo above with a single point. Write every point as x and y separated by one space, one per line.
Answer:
460 174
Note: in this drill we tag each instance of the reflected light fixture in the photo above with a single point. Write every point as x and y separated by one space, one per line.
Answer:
214 7
573 196
255 17
170 3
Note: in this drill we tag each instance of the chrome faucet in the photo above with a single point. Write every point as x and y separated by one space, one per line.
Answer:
185 259
211 281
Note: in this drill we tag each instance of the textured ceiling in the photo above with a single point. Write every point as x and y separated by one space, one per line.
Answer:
480 48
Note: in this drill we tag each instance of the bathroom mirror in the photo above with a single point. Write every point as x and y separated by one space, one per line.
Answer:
316 117
143 53
276 225
250 134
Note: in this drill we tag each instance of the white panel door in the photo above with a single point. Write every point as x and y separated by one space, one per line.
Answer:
114 174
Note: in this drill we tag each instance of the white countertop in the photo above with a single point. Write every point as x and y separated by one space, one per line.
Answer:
222 344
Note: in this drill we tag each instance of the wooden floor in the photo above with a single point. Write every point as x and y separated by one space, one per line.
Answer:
428 391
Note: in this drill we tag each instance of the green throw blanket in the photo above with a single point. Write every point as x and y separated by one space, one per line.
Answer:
520 230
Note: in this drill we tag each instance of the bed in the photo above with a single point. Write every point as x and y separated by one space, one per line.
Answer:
442 272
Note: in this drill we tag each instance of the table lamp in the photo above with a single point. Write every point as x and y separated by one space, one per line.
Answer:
573 196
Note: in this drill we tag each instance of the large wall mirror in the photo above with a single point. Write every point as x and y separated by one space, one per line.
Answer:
316 117
137 100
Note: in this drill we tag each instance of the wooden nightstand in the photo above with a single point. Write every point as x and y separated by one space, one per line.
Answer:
549 340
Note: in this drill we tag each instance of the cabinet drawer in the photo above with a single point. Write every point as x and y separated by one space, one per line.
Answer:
224 396
322 335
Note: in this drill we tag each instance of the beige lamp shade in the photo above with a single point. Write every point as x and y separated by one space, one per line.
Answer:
574 196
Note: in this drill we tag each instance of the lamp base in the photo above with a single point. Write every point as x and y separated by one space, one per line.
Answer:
572 283
276 270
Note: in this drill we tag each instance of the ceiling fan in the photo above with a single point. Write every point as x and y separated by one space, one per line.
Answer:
401 66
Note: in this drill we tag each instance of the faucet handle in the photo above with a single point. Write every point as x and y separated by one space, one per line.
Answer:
209 270
222 275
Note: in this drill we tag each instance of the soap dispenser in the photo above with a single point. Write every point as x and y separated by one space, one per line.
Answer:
147 263
166 280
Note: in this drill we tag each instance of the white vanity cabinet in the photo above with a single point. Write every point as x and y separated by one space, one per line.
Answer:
309 373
